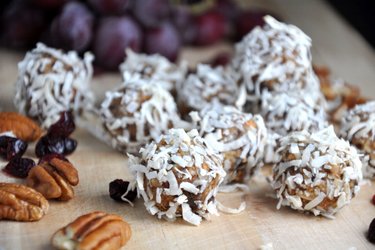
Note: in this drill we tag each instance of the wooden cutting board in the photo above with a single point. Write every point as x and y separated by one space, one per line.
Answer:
334 44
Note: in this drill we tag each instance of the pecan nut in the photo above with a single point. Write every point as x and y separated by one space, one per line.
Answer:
22 127
21 203
96 230
54 179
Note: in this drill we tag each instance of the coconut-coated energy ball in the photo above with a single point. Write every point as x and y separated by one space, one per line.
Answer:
169 75
51 81
136 113
239 137
358 126
178 176
205 86
317 172
275 57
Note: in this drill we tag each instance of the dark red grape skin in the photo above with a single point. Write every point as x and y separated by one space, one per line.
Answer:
118 188
19 167
371 232
151 13
163 40
72 29
110 6
113 36
11 147
50 4
183 20
210 28
22 25
64 126
55 145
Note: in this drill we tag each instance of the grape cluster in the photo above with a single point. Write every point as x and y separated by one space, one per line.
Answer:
108 27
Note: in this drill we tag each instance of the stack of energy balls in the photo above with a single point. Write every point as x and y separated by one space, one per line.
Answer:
194 134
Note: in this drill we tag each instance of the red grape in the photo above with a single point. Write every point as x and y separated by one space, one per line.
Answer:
72 29
184 22
113 36
163 40
50 4
110 6
151 13
210 28
22 25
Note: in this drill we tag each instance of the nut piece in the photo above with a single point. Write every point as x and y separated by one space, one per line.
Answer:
54 179
21 203
22 127
96 230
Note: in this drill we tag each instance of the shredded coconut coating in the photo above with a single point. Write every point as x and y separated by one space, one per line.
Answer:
276 57
137 112
50 81
178 176
169 75
358 126
238 136
206 86
285 112
318 172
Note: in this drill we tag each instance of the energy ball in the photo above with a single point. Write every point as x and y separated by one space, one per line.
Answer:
169 75
317 173
205 86
358 126
239 137
178 176
285 112
136 113
275 57
51 81
340 96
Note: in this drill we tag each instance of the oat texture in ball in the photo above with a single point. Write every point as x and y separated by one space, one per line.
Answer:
317 173
137 112
51 81
358 126
178 176
239 137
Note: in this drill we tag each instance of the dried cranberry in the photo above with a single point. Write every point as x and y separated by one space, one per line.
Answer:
11 147
55 145
373 199
64 126
221 59
371 232
19 167
118 188
49 157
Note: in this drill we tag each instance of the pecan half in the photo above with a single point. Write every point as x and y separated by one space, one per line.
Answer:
96 230
22 127
54 179
21 203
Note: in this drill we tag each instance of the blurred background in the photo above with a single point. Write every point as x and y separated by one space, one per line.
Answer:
107 27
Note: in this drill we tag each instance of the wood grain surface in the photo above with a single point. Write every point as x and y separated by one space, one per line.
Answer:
335 44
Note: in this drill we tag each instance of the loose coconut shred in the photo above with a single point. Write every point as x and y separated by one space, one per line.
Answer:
238 136
137 112
358 126
50 81
178 176
318 172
